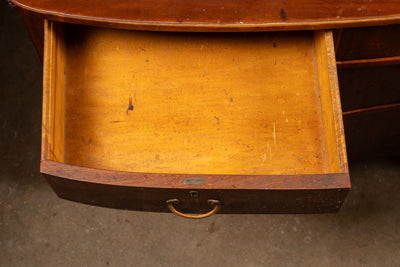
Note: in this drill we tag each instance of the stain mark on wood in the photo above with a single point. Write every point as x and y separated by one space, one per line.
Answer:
274 44
217 119
283 14
130 107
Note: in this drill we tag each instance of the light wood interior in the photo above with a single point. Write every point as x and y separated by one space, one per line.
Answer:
200 103
53 122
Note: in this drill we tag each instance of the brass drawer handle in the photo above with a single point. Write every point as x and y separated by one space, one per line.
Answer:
216 203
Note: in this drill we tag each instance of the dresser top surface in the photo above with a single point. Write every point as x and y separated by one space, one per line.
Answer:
222 15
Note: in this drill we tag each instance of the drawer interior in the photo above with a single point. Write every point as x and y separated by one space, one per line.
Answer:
204 103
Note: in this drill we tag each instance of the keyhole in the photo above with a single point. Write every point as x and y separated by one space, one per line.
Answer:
194 194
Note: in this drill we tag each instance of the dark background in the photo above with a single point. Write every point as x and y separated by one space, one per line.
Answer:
39 229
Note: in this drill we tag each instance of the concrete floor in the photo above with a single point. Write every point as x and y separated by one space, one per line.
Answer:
39 229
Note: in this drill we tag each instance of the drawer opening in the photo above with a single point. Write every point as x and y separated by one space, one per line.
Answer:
211 103
129 117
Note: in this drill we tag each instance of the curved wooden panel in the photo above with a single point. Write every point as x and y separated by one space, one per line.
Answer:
196 181
237 194
226 15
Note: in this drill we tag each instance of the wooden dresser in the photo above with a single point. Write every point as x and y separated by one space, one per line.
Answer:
204 107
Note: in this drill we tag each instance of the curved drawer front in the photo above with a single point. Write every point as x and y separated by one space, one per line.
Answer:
240 117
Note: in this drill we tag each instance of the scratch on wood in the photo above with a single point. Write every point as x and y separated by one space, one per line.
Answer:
270 152
274 133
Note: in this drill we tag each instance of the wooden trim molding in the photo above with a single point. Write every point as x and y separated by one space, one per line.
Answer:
373 62
371 109
227 15
196 181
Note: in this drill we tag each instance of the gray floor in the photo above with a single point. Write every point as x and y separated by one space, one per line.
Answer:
38 229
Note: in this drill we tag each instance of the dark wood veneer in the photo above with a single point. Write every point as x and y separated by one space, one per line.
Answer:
226 15
139 191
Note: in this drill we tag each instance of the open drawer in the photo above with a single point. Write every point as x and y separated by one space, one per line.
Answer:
195 122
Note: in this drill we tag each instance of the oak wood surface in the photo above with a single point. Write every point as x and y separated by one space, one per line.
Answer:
208 104
225 15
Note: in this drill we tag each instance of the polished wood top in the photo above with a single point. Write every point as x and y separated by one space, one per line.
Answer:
221 15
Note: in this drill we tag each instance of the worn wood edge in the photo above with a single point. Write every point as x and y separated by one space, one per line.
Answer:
373 62
330 100
232 201
178 181
209 27
47 81
372 109
53 93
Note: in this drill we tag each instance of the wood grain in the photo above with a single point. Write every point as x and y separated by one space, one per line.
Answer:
226 15
330 101
128 93
53 120
149 192
207 181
